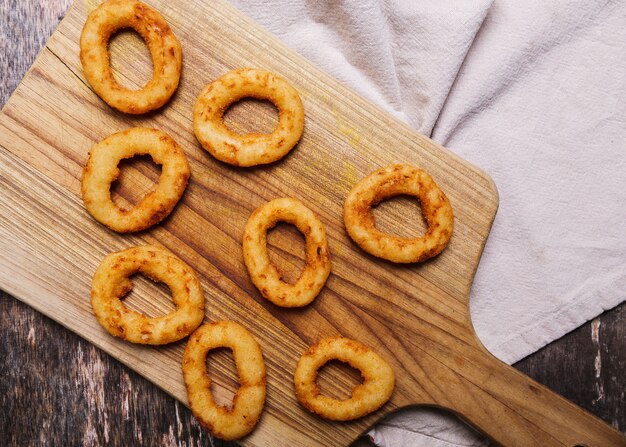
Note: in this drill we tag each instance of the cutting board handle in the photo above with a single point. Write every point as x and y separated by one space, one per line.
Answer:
514 410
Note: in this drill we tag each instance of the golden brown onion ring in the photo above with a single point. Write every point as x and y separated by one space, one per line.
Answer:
249 400
101 170
250 149
392 181
264 274
111 282
376 389
164 47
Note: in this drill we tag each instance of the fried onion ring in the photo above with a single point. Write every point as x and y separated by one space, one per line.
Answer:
101 170
249 400
250 149
111 282
376 389
164 47
389 182
264 274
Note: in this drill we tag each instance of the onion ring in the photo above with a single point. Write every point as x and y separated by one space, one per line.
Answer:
264 274
164 47
392 181
376 389
101 170
251 149
249 400
111 282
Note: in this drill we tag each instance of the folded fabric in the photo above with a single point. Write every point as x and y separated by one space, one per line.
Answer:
540 104
403 56
532 92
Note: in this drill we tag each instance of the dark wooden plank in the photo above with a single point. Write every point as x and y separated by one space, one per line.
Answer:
24 28
61 390
587 366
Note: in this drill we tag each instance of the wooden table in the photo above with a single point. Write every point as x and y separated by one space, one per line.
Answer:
58 389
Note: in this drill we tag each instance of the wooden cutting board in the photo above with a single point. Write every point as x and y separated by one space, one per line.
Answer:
415 316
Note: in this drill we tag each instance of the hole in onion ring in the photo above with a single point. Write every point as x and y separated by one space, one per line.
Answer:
138 176
337 379
251 115
130 59
285 247
400 216
151 298
222 370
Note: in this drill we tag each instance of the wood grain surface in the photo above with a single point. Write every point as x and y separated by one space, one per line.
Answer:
144 169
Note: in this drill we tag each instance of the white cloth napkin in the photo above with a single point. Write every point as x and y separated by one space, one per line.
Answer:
534 93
